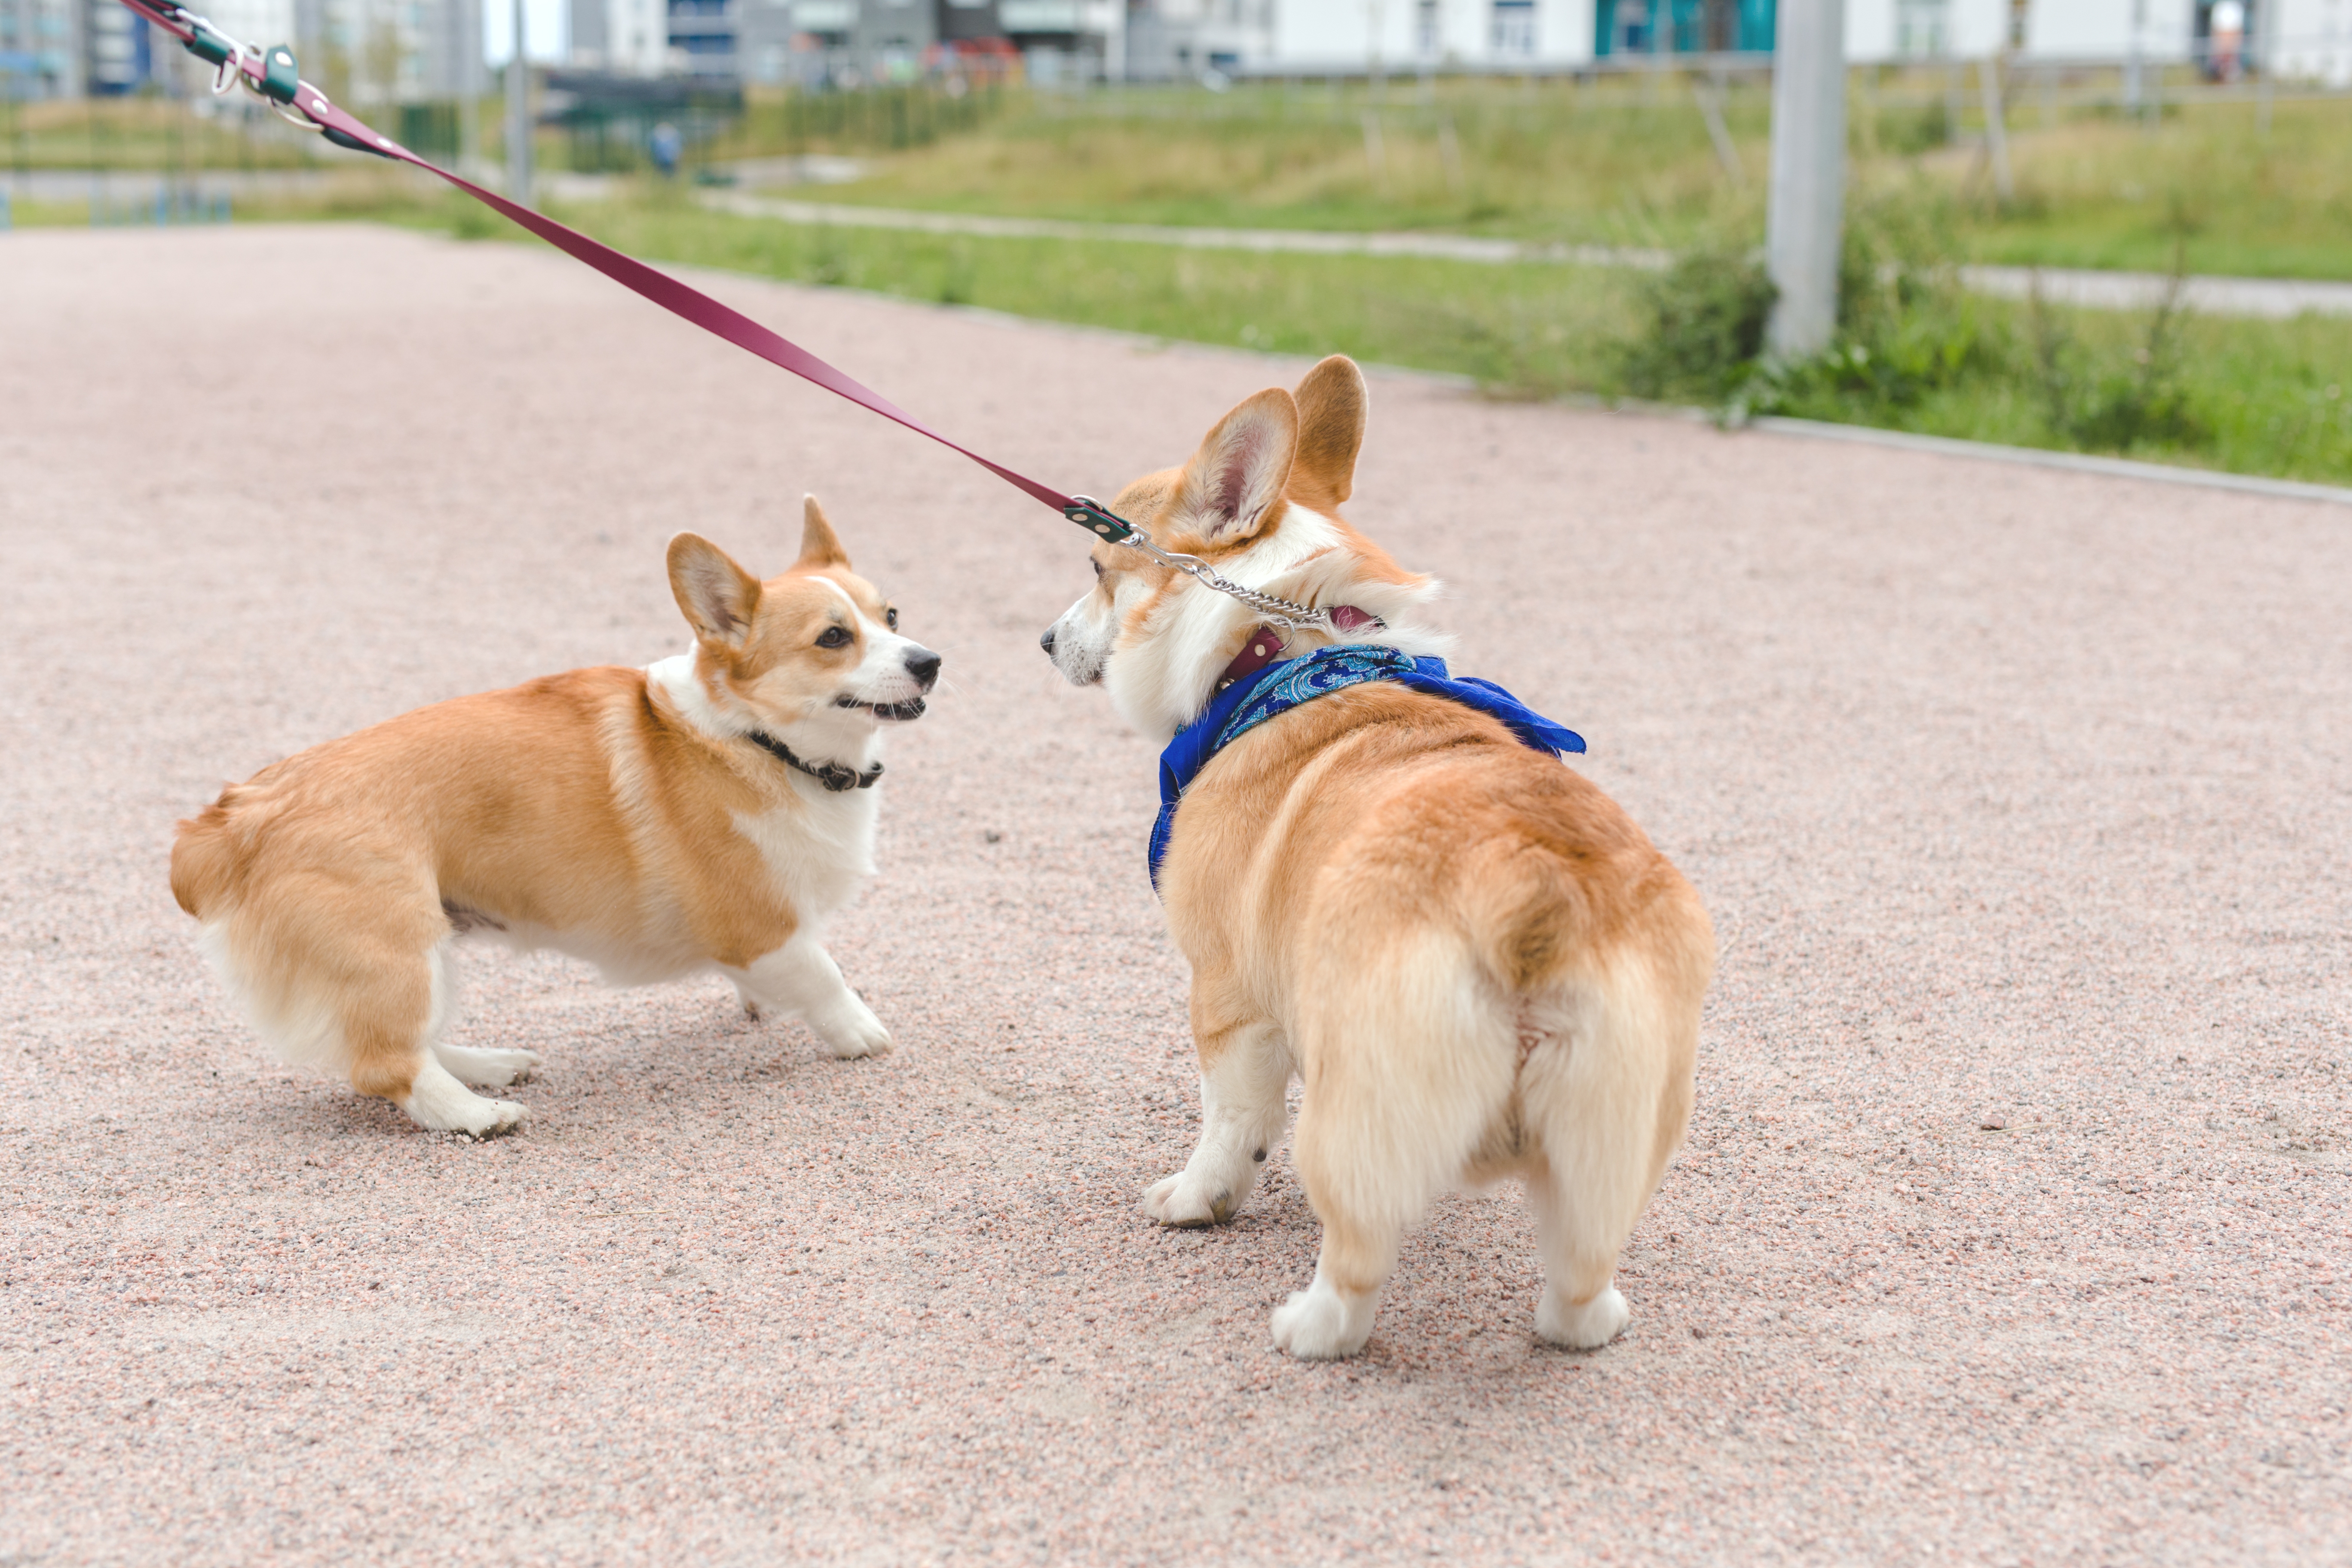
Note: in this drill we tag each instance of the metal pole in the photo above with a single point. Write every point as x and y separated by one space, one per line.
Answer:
2265 31
1807 212
1996 129
469 45
2132 87
518 117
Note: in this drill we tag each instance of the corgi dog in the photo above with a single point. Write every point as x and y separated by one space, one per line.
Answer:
1478 966
709 811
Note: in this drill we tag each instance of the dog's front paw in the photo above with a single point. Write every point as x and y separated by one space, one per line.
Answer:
1319 1324
1186 1203
1584 1328
856 1032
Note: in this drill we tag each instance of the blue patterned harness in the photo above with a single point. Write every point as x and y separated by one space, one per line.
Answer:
1278 687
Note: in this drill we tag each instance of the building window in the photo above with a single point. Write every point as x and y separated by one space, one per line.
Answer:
1921 28
1515 28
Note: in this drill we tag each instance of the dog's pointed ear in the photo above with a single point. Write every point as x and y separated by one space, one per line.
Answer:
1332 401
719 598
1232 485
820 546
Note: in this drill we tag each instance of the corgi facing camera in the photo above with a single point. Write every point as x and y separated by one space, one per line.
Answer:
706 812
1387 883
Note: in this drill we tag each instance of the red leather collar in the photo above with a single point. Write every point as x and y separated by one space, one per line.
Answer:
1261 647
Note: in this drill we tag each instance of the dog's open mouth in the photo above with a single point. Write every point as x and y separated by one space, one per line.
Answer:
898 712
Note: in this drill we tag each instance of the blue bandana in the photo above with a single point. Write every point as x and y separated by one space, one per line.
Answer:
1278 687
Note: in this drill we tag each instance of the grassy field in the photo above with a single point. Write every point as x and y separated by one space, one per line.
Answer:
1616 161
150 134
1628 161
1623 161
2262 397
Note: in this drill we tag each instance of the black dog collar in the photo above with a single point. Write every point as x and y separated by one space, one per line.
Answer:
835 776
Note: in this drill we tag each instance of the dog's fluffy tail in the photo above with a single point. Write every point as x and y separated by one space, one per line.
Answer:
203 860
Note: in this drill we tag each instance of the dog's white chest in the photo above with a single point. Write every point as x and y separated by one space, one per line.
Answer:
817 851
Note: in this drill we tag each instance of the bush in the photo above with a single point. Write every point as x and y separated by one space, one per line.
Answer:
2098 404
1702 332
1906 329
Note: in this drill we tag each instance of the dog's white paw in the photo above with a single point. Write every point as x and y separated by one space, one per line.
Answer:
487 1069
1319 1324
1181 1201
1584 1328
437 1101
856 1032
475 1117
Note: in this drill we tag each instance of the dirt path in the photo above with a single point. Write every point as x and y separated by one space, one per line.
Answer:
2020 798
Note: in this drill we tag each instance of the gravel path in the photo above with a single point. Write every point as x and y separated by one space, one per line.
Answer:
2013 1225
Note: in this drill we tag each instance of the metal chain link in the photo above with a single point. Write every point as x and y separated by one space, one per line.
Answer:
1286 615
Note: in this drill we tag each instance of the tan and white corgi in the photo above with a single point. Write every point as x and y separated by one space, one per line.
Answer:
1478 965
706 812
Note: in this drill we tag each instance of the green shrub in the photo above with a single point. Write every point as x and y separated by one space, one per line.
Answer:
1701 327
1906 329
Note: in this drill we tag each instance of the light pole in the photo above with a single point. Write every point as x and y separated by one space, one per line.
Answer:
1807 212
518 117
468 46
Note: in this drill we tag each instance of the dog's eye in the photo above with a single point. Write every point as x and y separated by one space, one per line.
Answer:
833 636
1097 566
890 617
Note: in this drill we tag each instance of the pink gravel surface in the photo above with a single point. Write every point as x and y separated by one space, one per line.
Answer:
2013 1225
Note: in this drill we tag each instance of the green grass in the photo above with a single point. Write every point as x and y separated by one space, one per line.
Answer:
1617 161
1629 161
2260 397
147 133
1549 161
1522 330
2106 192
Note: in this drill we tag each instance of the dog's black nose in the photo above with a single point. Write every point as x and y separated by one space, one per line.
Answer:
923 665
1046 642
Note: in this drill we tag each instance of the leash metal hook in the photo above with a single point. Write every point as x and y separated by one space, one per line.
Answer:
1287 614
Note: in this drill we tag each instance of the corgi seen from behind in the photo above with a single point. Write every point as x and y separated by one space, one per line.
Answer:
1478 966
706 812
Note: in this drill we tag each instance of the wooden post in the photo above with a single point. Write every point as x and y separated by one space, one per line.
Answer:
1806 218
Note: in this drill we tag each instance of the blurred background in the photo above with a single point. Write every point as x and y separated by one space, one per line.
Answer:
2105 226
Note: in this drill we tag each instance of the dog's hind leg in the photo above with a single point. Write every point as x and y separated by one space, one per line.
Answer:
349 973
1407 1065
1607 1095
1244 1071
392 1021
1580 1307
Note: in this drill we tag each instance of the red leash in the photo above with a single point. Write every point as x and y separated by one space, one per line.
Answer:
271 75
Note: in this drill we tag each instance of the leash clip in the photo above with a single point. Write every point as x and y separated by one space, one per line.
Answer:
1290 615
1095 518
